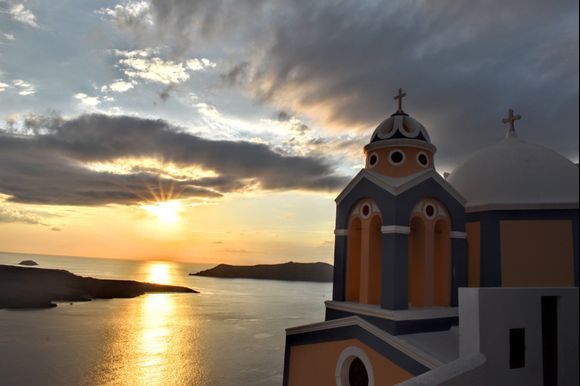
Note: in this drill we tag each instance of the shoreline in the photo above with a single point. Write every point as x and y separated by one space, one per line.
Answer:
39 288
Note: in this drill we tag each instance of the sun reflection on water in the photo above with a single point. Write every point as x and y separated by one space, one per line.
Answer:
155 337
154 340
159 272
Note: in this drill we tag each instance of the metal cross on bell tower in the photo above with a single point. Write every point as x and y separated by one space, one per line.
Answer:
399 99
511 120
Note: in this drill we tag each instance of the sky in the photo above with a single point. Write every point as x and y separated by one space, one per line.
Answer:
221 130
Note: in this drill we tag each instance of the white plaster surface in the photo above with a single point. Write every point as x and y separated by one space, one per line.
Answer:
468 371
376 311
517 174
443 345
486 316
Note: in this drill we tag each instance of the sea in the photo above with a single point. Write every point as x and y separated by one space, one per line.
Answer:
231 333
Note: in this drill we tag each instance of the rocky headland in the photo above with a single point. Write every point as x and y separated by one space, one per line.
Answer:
317 272
25 287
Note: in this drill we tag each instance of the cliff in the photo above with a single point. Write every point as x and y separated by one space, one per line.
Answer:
22 287
318 272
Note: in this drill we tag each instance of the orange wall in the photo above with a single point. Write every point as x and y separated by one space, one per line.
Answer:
473 252
315 364
408 167
536 253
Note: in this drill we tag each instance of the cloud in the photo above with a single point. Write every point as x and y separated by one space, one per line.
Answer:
86 100
24 88
7 36
129 15
21 14
463 64
199 64
50 163
181 23
142 64
118 86
13 215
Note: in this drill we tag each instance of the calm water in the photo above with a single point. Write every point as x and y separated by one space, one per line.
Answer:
232 333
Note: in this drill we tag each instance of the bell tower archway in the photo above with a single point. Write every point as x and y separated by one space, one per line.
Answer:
363 260
429 255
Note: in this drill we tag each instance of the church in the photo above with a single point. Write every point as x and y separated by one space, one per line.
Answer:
467 278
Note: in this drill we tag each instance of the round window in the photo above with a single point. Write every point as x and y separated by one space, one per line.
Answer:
429 211
397 157
353 368
373 159
422 159
365 210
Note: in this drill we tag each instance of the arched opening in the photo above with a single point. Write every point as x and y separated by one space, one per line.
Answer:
357 373
353 368
416 276
374 279
442 265
353 259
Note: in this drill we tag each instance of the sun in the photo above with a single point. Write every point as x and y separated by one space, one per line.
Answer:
166 212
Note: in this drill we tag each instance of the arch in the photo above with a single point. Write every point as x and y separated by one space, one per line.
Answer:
353 260
374 276
345 359
442 264
416 261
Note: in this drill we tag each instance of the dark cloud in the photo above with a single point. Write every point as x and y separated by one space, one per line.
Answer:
236 74
49 165
283 116
463 64
165 94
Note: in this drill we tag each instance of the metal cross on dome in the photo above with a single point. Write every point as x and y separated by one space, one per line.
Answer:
399 98
511 120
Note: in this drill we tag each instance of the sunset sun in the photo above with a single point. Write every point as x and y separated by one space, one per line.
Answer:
166 212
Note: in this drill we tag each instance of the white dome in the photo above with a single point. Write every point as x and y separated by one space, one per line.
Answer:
517 175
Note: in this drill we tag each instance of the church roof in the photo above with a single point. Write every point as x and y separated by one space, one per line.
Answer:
400 125
398 185
514 174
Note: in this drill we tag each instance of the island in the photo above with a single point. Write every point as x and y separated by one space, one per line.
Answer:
28 263
25 287
317 272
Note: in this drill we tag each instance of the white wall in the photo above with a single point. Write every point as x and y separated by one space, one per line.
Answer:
486 316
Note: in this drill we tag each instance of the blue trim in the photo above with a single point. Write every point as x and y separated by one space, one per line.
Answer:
429 188
490 253
366 189
339 287
458 268
352 332
576 252
286 362
394 271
